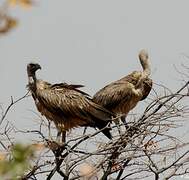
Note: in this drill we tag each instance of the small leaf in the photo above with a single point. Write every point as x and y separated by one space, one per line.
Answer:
7 24
26 4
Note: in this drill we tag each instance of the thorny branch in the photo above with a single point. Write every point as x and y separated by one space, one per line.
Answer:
13 102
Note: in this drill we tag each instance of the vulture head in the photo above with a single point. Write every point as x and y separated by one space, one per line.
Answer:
144 60
32 68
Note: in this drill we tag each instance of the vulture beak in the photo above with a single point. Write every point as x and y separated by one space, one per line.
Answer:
32 68
38 66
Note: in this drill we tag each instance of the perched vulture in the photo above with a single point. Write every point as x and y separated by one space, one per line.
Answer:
66 105
123 95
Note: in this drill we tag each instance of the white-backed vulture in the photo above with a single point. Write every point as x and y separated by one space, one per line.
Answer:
123 95
66 105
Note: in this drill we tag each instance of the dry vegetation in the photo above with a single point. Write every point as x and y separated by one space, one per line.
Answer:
8 21
153 146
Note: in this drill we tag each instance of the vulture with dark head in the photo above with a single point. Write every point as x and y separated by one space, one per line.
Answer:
123 95
66 105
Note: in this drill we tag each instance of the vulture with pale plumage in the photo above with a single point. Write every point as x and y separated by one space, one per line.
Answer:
66 105
123 95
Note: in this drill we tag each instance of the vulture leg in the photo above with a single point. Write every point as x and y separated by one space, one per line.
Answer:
123 119
63 137
84 131
117 123
49 129
58 138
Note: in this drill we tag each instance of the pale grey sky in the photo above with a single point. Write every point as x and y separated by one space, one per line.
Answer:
91 43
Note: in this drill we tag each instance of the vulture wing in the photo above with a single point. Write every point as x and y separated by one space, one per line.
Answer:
147 88
134 77
70 86
114 94
71 104
121 91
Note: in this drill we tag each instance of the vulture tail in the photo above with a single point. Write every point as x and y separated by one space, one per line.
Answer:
101 124
101 117
107 133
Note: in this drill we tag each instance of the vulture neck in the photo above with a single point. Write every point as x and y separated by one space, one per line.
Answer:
32 81
146 69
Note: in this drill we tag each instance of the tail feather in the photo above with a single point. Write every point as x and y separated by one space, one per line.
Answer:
107 133
103 125
101 117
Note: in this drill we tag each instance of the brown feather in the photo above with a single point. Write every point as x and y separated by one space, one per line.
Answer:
123 95
69 108
70 86
66 105
120 96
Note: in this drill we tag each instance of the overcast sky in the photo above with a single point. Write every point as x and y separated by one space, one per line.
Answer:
92 43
